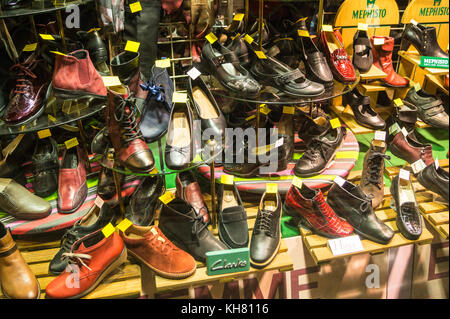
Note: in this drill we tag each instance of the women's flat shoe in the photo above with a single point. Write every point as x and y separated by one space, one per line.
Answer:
363 112
362 51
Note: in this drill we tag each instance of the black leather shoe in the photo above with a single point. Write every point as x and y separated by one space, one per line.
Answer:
435 180
178 153
409 219
181 225
430 109
364 114
362 51
224 65
93 42
266 236
106 188
423 39
145 200
45 167
96 218
350 202
232 224
406 117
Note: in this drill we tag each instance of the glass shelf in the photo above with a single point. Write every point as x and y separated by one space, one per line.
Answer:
50 7
272 96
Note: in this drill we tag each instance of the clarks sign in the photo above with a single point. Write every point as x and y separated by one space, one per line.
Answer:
227 261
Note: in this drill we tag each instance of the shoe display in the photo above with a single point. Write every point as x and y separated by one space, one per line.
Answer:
372 182
17 201
285 128
435 179
352 204
187 230
405 116
106 188
93 42
124 133
266 236
95 219
382 59
45 167
364 114
429 108
143 203
409 219
94 257
72 187
424 39
308 207
189 190
362 51
17 281
152 249
409 149
232 220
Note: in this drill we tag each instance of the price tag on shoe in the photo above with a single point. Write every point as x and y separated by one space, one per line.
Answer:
271 188
30 47
167 197
51 118
398 102
251 117
227 179
417 87
327 28
404 174
71 143
279 142
124 225
194 73
394 129
163 63
335 123
211 37
436 163
238 16
44 133
378 41
260 55
109 81
303 33
345 245
135 7
413 21
248 39
108 230
99 202
404 131
418 166
380 136
132 46
47 36
362 26
178 97
94 29
339 180
264 109
234 37
297 182
289 110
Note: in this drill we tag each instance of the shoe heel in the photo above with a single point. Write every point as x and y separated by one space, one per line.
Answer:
404 45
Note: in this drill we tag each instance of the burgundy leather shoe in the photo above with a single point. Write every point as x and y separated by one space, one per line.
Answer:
29 93
340 64
189 190
308 207
72 187
410 150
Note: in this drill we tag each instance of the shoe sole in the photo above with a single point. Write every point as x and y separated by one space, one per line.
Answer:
163 273
66 94
7 297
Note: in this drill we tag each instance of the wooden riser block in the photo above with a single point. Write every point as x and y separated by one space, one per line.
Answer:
348 118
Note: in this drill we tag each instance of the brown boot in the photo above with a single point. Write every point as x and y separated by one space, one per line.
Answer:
372 183
16 279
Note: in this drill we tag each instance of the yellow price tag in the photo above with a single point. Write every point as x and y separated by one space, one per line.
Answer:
251 117
108 230
178 97
303 33
289 110
335 123
232 38
57 52
297 182
260 55
51 118
164 63
94 29
22 128
71 143
44 133
238 17
132 46
264 109
327 28
227 179
362 26
30 47
398 102
47 36
154 171
248 39
135 7
167 197
124 225
271 188
211 37
111 81
301 19
417 87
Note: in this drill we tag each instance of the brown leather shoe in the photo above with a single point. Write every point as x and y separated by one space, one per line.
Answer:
16 279
189 190
372 183
150 247
17 201
410 150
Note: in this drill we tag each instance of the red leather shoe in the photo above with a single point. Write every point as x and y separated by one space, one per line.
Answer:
91 259
409 149
308 207
189 190
382 59
72 187
74 75
337 58
124 132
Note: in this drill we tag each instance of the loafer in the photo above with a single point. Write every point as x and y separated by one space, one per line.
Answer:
364 114
72 187
362 51
189 190
409 219
266 236
232 221
435 179
45 167
18 202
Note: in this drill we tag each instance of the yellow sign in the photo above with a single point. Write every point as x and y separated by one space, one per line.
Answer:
238 17
335 123
51 118
248 39
370 12
124 225
132 46
232 38
164 63
227 179
71 143
167 197
135 7
398 102
211 37
260 55
289 110
108 230
303 33
264 109
271 188
47 36
426 11
44 133
30 47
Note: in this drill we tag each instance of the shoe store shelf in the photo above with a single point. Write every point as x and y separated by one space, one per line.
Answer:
436 214
318 245
414 58
433 83
373 74
40 10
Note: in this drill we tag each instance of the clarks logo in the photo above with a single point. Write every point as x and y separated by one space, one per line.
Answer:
221 264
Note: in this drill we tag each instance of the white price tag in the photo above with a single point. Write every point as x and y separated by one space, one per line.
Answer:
394 129
404 131
413 22
378 41
194 73
345 245
279 142
404 174
418 166
98 202
436 163
380 136
339 180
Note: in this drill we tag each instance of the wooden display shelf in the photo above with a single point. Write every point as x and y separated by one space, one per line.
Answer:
346 115
373 74
414 58
432 83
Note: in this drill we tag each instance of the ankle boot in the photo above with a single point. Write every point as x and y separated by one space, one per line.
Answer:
423 39
126 137
382 59
93 42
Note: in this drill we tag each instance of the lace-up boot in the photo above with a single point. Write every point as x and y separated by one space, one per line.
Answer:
308 207
126 137
187 230
372 183
266 236
349 202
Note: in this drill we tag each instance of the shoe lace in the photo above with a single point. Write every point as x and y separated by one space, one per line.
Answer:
67 240
263 223
125 115
154 90
373 168
366 204
315 149
76 259
198 226
163 245
24 75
